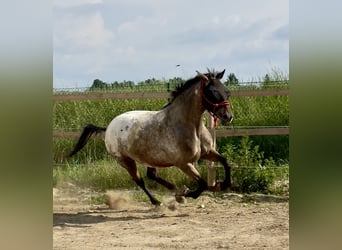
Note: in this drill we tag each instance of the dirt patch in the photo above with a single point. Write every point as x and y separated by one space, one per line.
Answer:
229 221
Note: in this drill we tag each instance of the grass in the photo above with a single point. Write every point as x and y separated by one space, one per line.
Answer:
109 175
100 176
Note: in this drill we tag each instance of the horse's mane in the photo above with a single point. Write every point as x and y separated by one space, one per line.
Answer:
180 88
186 85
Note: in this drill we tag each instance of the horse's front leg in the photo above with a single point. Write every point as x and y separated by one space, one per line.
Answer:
190 170
213 155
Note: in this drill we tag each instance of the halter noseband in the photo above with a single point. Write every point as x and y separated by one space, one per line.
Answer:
213 105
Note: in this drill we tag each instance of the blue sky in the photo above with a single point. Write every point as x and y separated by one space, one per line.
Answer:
116 40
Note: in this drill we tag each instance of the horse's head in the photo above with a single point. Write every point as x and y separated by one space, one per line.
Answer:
215 96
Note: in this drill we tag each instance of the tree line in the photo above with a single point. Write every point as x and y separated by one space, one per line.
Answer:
231 80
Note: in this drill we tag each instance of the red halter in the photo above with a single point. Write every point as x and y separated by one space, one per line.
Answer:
214 105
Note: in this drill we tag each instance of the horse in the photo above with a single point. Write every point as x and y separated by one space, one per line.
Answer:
172 136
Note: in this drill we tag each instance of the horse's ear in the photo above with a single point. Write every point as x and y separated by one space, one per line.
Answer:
203 77
220 75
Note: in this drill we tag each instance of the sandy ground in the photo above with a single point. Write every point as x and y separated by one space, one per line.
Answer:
226 221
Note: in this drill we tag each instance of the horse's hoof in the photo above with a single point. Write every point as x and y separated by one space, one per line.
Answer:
182 191
157 203
180 194
180 199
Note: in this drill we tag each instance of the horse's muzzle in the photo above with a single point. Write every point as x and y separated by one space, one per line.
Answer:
227 121
224 114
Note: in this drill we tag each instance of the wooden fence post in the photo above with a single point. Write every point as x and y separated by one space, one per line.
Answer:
211 164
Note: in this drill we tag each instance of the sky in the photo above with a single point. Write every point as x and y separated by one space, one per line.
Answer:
117 40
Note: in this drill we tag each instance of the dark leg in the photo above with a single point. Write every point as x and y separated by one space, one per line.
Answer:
131 167
141 184
192 172
202 185
152 174
213 155
227 180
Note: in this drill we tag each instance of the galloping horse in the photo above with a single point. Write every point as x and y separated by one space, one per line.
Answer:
173 136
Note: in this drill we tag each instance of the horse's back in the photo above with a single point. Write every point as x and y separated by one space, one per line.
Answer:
123 128
125 120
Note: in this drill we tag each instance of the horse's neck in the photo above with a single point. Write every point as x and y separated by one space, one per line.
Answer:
187 108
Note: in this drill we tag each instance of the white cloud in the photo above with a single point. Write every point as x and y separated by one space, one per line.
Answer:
75 33
81 45
74 3
135 40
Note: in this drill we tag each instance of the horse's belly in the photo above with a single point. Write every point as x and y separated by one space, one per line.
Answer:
156 156
165 152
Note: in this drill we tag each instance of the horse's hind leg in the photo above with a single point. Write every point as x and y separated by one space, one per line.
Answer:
153 175
213 155
131 167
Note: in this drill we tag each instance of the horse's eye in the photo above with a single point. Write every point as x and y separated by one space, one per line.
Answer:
216 94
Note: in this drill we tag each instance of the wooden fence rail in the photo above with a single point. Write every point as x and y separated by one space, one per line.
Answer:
219 133
253 131
158 95
99 96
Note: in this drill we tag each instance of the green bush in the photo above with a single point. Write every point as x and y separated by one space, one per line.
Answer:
251 172
251 180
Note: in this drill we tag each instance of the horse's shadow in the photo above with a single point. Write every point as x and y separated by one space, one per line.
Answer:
86 219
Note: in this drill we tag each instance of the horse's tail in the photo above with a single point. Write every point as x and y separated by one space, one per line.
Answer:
87 132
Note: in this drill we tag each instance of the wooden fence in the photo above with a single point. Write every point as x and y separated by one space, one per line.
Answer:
279 130
158 95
